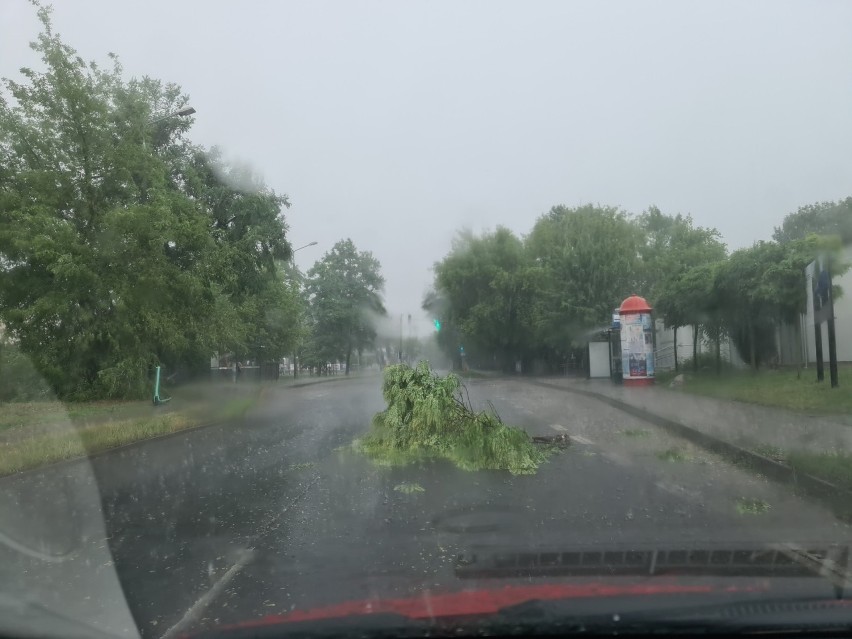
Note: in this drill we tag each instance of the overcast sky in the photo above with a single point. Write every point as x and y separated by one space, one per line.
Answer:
397 123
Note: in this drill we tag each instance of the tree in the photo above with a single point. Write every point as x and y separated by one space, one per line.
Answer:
345 293
485 298
690 299
586 260
822 218
763 286
672 246
122 246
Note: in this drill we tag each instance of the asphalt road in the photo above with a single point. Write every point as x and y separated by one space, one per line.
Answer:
275 513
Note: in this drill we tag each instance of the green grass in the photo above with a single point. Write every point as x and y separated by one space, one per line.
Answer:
833 467
781 389
55 446
746 506
237 407
674 455
771 452
636 432
36 433
24 414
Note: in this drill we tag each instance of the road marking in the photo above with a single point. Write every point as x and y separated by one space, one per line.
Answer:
204 600
195 610
558 427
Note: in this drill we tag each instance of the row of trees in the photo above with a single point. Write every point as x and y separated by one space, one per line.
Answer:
501 298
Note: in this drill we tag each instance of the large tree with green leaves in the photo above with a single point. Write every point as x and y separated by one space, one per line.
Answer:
586 261
821 218
673 246
123 246
763 286
484 298
345 293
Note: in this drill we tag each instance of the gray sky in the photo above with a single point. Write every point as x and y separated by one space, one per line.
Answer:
396 123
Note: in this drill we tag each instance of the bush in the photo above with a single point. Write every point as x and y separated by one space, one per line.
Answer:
19 380
426 417
706 362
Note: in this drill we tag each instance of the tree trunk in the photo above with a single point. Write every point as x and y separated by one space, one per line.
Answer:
752 351
695 347
348 357
677 366
718 352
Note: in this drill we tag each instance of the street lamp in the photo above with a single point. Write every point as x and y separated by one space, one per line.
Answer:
305 246
184 112
293 262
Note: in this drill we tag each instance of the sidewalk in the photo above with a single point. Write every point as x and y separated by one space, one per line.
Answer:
761 429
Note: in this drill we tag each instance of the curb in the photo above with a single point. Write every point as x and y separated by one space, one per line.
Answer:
839 498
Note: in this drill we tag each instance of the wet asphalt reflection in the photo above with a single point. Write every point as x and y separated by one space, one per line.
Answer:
271 514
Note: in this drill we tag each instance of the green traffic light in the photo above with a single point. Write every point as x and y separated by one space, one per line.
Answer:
437 324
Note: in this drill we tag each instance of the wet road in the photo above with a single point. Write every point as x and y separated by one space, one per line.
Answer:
238 521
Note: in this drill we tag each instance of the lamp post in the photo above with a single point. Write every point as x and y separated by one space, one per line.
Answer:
184 112
180 113
293 263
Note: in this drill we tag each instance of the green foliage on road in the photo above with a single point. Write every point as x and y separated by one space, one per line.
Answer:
751 506
409 488
427 418
674 455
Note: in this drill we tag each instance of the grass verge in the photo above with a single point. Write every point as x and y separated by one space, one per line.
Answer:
71 442
779 388
25 415
34 434
833 467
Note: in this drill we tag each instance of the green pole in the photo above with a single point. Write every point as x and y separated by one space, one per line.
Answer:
157 387
157 400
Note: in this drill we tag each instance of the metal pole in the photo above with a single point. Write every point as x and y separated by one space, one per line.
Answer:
157 387
832 339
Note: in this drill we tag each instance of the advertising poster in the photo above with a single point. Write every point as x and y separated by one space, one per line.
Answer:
637 345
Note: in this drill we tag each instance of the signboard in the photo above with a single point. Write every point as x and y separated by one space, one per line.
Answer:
637 346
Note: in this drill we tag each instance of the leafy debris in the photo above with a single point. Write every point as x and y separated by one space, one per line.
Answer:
427 417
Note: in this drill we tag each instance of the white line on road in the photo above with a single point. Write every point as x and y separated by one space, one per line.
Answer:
204 600
192 615
558 427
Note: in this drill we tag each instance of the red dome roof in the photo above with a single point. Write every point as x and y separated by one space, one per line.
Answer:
634 304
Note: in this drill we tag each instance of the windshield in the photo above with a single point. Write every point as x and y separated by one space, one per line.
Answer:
424 317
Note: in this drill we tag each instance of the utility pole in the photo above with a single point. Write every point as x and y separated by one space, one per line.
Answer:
399 358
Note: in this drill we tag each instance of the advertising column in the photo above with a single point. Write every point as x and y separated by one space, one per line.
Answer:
637 342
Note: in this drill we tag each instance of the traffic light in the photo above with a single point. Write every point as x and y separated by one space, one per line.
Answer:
437 324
